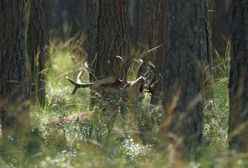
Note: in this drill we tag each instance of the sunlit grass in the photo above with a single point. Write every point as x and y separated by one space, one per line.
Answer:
68 146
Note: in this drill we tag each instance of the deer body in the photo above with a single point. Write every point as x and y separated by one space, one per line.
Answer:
127 94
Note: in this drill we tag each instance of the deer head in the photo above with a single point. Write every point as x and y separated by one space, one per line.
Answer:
134 89
130 93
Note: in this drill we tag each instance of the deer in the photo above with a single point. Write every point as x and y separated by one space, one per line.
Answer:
129 94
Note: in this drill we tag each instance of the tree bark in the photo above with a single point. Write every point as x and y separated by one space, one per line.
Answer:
112 36
135 21
148 23
58 17
186 74
238 84
76 16
91 31
221 26
159 61
13 91
37 49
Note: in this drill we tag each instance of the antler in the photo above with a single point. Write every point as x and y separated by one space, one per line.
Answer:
118 77
92 85
78 83
123 69
149 74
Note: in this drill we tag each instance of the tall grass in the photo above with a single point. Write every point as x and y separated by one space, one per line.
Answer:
68 146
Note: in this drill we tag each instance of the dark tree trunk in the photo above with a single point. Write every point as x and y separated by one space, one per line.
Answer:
82 15
37 49
135 21
91 29
148 23
58 14
221 25
76 16
238 85
13 91
147 20
112 35
159 61
187 56
144 23
107 37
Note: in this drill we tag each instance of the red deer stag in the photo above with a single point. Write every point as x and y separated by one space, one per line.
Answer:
127 95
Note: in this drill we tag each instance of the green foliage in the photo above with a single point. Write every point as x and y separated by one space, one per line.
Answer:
96 144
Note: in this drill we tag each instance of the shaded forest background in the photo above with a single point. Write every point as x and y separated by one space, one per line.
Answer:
127 83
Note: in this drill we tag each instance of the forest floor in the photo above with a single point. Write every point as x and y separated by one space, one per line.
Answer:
66 146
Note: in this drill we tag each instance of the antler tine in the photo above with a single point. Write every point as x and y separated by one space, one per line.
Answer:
123 66
78 77
152 70
141 62
123 62
78 84
124 69
149 74
91 72
151 78
92 85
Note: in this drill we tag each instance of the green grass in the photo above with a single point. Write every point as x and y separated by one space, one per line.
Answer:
68 147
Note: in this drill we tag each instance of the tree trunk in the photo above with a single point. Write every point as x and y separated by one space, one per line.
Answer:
147 20
186 73
82 16
135 21
37 41
238 84
148 23
91 30
160 42
221 26
58 13
76 16
112 35
13 91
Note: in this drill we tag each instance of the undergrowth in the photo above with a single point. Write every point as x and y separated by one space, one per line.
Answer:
69 146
